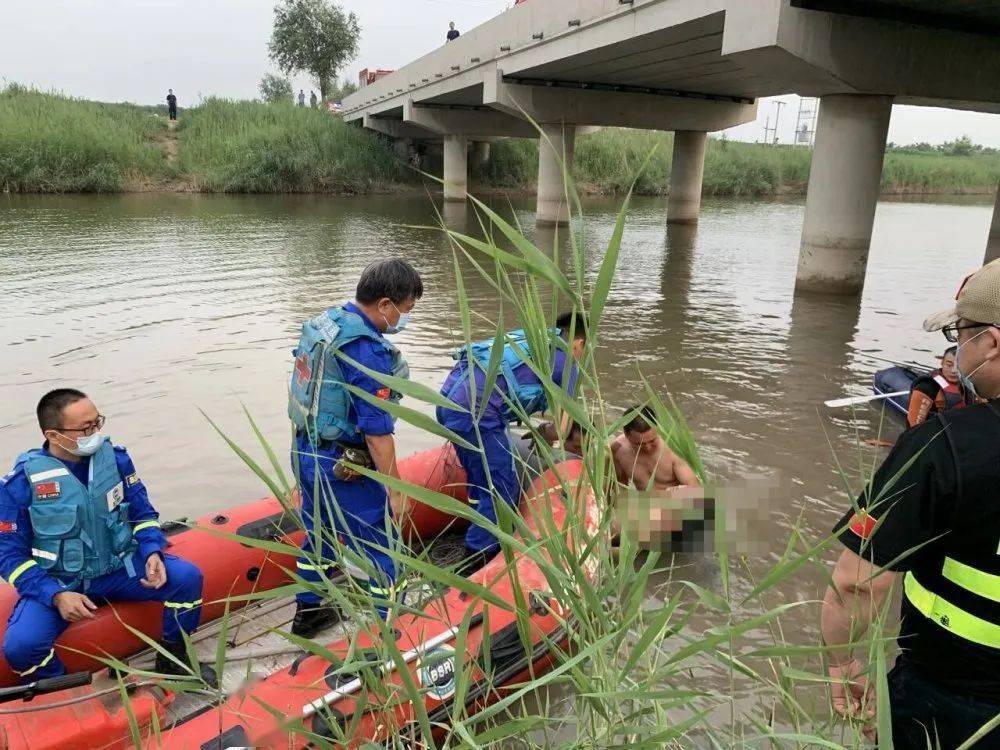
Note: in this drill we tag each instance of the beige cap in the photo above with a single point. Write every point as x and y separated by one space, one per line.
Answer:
978 300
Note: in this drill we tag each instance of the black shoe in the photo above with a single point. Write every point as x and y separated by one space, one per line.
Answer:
167 666
311 619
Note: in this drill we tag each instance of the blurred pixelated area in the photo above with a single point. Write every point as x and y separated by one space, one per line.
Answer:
701 520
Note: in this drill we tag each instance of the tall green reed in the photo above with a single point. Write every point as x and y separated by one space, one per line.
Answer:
651 657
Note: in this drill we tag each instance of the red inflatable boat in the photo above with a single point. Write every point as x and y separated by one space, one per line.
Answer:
229 567
331 697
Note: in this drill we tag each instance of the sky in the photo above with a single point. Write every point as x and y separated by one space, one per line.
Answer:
133 50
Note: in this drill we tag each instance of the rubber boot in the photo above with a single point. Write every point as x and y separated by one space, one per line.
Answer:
311 619
167 666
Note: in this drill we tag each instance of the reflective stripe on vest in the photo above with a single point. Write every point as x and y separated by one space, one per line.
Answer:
985 585
950 617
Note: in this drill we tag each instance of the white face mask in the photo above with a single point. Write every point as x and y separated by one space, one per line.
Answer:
404 320
87 445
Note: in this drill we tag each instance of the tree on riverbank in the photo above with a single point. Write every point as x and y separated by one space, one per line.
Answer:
315 37
275 89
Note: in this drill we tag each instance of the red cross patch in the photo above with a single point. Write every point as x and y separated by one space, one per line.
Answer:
46 490
303 371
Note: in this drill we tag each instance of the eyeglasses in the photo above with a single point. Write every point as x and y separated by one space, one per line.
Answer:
88 429
951 331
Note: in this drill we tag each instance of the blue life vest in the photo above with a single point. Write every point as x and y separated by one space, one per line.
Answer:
80 532
318 402
530 396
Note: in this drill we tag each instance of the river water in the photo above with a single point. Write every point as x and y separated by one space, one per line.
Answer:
161 306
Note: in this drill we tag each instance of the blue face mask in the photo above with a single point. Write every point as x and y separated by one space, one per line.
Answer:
404 320
88 445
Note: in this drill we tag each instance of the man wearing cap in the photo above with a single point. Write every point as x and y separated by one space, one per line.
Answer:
930 523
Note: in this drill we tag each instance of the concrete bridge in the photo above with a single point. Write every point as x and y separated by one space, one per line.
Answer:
550 67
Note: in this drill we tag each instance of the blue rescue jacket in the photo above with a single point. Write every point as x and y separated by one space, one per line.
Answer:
80 531
319 404
530 396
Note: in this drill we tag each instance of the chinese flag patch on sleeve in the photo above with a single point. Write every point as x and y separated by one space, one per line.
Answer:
383 393
863 524
7 527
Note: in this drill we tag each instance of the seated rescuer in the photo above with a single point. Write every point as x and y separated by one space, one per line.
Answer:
938 391
333 424
517 384
642 458
930 522
76 525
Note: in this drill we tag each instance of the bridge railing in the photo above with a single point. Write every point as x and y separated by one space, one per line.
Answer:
526 25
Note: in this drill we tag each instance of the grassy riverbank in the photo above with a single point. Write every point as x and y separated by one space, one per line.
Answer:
606 161
51 143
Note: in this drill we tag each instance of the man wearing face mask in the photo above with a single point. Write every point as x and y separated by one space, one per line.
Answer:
76 526
334 405
930 523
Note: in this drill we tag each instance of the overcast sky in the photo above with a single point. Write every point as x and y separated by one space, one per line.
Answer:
133 50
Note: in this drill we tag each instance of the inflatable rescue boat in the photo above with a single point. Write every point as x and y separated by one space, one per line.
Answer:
344 690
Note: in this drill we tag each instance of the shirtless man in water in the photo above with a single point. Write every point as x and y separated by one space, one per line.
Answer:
644 461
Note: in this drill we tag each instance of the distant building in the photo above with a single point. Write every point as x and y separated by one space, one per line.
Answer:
367 77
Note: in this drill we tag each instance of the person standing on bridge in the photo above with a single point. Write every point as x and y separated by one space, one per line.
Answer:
930 521
453 33
171 104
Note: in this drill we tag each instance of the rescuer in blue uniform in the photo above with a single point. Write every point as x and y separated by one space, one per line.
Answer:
76 526
335 426
515 383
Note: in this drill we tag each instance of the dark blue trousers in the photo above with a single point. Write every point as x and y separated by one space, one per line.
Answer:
498 468
34 626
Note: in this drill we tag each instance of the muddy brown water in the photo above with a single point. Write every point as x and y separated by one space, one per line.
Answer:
161 305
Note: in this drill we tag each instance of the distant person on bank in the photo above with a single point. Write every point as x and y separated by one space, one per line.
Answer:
312 99
453 33
171 104
302 97
76 528
939 391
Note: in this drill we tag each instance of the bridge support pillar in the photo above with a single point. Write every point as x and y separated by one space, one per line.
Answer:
843 189
480 153
993 240
555 148
686 172
456 167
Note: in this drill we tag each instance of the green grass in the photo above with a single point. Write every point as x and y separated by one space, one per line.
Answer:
51 143
249 147
605 163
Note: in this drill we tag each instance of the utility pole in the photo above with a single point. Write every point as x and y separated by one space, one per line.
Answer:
777 117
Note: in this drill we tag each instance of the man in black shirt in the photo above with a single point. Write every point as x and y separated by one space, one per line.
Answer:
930 522
452 32
171 104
